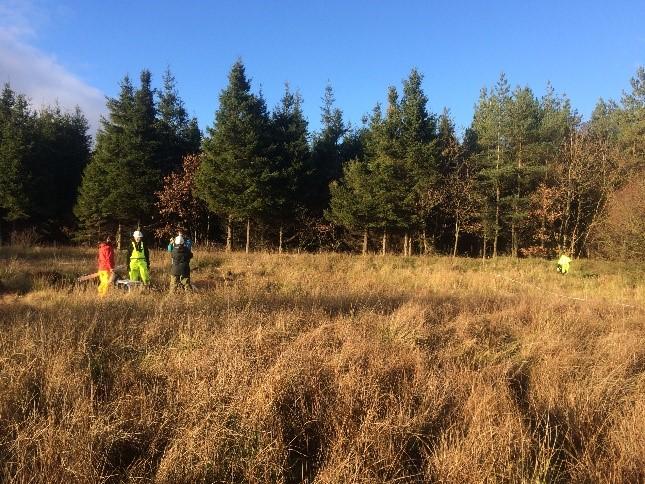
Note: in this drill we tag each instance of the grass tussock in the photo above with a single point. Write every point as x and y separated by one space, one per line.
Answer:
323 368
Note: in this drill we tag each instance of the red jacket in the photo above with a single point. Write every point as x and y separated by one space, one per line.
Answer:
106 257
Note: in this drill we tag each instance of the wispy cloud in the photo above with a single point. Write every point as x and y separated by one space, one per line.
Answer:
38 74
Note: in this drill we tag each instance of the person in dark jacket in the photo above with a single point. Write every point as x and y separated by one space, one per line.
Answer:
180 268
138 259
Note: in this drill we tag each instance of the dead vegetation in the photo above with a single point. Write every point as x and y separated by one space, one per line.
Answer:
324 368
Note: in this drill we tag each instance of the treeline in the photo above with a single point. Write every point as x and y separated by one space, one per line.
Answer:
528 177
42 156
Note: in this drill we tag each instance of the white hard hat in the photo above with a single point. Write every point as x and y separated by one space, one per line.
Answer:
179 240
137 234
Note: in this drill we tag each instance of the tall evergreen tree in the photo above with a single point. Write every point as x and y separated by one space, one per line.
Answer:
17 135
524 118
234 175
326 153
119 183
62 152
290 156
491 125
179 134
353 204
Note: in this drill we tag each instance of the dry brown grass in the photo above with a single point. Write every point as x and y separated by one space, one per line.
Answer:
323 368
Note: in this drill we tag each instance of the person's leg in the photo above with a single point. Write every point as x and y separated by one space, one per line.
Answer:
134 270
104 281
174 282
145 274
185 281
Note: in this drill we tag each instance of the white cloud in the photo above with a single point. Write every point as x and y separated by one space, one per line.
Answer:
37 74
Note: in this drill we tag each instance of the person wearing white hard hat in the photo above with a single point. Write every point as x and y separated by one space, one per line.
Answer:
138 259
180 268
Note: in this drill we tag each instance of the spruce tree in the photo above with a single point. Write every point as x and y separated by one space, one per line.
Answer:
491 125
233 176
523 140
17 135
290 157
179 135
327 161
119 183
62 152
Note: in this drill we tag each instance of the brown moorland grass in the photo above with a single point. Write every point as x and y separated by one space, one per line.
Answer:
323 368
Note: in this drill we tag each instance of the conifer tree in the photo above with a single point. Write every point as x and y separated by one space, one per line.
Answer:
179 135
119 183
353 203
233 177
17 130
61 154
290 157
326 153
524 119
491 125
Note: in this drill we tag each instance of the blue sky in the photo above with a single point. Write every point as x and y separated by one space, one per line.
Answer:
77 51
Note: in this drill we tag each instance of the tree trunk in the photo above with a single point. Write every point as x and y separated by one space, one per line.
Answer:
208 229
454 248
516 206
229 234
484 250
405 245
280 243
248 234
425 242
364 242
410 246
384 244
118 237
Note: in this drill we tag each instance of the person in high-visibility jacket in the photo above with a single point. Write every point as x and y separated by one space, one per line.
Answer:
138 258
563 264
106 265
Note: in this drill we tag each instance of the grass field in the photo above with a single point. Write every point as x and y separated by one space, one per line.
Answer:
323 368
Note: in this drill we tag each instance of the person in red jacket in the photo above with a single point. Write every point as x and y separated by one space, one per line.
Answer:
106 265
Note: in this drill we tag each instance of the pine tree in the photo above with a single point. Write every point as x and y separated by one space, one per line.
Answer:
17 134
418 137
524 118
62 152
233 177
120 181
327 161
491 125
353 203
179 134
290 157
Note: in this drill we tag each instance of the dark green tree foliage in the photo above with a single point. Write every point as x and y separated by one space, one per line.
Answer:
119 183
62 152
42 155
632 123
290 157
17 130
491 126
236 172
524 150
353 204
327 150
179 135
